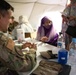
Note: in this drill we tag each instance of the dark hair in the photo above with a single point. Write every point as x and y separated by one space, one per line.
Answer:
12 17
4 7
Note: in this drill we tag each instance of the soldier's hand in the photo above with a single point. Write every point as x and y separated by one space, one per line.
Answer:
27 44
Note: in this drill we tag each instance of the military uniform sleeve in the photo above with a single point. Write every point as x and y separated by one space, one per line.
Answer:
11 57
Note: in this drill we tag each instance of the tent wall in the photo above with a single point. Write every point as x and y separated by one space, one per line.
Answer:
34 9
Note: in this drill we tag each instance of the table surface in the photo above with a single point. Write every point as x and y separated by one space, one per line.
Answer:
44 47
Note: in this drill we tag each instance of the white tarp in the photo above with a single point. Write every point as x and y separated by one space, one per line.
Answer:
34 9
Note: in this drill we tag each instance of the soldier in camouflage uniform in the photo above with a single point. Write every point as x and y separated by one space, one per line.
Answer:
69 14
11 57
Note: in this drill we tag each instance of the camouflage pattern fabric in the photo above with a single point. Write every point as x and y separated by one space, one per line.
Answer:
70 11
12 59
48 68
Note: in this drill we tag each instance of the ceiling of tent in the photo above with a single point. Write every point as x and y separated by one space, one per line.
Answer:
34 9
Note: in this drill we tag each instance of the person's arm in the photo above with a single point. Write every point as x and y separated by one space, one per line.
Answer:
53 41
11 57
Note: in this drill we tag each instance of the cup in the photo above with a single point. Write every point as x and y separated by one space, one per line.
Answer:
20 34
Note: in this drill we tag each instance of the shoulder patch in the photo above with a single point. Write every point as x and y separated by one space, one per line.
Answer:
10 44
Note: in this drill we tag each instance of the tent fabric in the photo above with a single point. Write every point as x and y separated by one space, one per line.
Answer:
34 9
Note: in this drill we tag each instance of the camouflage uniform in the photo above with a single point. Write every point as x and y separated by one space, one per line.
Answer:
13 58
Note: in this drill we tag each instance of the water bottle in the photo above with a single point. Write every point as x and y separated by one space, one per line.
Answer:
60 41
72 52
62 56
